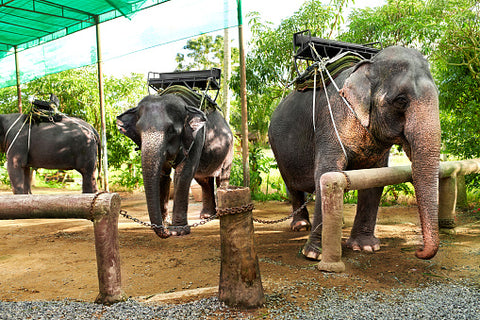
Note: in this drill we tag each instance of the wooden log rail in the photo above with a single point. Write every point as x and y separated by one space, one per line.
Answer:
102 209
334 184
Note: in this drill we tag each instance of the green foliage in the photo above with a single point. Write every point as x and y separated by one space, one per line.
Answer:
265 180
391 194
416 23
269 63
458 68
204 52
448 32
77 91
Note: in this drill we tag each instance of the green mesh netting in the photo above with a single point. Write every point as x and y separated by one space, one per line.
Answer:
74 45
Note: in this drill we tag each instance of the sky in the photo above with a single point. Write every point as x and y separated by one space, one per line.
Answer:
162 58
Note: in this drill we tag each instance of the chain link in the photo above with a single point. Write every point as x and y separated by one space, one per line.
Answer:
235 210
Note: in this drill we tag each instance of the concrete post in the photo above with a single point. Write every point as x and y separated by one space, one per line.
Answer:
447 202
333 185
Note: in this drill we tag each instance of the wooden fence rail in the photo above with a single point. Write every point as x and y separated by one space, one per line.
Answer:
334 184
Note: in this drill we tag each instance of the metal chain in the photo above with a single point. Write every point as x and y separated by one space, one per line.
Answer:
125 214
92 204
220 212
310 197
235 210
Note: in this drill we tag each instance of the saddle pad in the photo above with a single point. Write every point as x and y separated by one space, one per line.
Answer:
191 97
334 66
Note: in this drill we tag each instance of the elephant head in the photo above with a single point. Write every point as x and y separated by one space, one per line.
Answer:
395 98
164 128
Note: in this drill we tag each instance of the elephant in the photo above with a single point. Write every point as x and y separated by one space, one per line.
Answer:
173 133
394 101
66 143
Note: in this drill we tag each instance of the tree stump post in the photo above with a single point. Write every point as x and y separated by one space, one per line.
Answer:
101 208
105 228
240 282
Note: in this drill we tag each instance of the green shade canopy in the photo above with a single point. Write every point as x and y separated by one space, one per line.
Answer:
53 36
28 23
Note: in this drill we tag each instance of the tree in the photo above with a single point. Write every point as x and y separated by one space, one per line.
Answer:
448 32
269 63
458 71
203 52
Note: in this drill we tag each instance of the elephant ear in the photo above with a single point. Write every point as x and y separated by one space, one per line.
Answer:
194 121
127 124
357 90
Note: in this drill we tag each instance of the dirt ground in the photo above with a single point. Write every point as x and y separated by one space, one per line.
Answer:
55 259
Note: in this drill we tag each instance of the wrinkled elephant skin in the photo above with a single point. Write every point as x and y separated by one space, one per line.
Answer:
69 144
172 134
394 101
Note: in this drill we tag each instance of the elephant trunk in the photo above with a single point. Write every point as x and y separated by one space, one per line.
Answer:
423 149
153 159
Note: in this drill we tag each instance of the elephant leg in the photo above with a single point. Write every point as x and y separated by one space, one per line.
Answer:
89 184
301 220
17 178
164 194
312 248
362 234
27 180
182 180
223 179
208 197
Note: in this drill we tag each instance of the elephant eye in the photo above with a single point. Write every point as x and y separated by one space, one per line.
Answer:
401 102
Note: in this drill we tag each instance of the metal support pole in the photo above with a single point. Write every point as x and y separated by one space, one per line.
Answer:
243 98
102 107
226 76
17 75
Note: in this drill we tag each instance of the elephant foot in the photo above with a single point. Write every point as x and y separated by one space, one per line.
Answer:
179 230
363 243
300 225
206 215
311 251
162 232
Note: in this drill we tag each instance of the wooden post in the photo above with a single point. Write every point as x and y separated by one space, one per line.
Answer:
240 282
105 226
102 209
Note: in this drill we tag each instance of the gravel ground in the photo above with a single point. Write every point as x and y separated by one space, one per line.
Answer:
438 301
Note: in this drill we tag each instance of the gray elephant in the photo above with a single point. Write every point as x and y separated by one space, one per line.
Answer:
173 133
394 101
67 144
